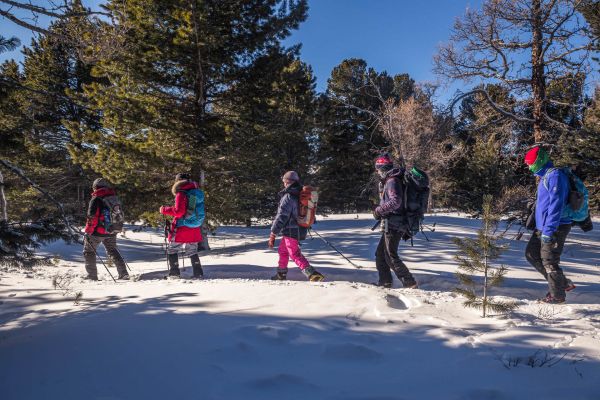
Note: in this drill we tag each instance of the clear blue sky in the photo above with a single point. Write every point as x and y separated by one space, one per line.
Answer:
398 36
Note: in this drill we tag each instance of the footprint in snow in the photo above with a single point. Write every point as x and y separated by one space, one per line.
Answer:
285 382
351 352
395 302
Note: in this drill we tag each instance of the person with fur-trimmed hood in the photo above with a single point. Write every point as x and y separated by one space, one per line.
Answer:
286 224
391 210
96 231
185 233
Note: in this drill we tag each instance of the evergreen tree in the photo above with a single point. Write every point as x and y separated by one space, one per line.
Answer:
172 98
475 257
44 190
349 133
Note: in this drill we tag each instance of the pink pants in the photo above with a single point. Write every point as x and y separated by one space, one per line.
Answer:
289 247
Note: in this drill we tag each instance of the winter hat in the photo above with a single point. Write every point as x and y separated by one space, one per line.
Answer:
384 162
100 183
182 176
291 176
536 158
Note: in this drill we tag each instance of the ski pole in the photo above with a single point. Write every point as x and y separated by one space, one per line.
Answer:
101 260
334 248
165 234
376 225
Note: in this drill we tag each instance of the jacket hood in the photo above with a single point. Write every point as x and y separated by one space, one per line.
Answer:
103 192
294 189
545 169
394 173
183 184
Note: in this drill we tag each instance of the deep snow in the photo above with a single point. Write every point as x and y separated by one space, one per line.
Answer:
238 335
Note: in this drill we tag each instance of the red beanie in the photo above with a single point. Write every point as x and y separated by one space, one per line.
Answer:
531 155
383 161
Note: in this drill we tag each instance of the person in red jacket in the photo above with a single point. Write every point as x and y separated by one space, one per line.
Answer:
185 233
96 232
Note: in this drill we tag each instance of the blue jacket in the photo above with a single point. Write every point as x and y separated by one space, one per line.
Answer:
551 200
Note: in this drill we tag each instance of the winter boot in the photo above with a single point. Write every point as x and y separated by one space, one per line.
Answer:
409 283
123 277
281 275
173 261
385 285
197 267
312 274
91 278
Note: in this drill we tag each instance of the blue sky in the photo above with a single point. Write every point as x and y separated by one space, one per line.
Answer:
398 36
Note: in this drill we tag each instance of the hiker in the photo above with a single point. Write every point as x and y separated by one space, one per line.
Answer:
286 224
551 226
102 227
391 211
184 232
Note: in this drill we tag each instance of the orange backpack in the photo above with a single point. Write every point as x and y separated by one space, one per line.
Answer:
307 209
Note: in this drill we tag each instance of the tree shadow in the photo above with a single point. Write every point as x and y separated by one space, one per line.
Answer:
177 346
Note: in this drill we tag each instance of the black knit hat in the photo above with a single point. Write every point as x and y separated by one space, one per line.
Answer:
183 176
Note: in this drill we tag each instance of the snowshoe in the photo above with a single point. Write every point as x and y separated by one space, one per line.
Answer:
549 299
316 277
570 286
279 276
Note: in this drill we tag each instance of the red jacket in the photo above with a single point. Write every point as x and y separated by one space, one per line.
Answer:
181 234
95 220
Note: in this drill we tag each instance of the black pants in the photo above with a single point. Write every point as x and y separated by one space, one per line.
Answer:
387 260
545 258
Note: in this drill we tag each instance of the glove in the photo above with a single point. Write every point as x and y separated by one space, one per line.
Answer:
376 215
160 210
547 239
272 237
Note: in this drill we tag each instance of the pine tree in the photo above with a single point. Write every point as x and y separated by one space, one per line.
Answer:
475 257
349 134
171 99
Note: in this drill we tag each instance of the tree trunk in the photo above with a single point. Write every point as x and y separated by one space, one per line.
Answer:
538 80
3 199
199 79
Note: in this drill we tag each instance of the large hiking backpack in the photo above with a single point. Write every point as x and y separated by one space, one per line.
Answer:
307 206
112 211
577 207
416 198
194 213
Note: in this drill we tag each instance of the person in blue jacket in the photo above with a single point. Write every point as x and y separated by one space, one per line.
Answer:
551 227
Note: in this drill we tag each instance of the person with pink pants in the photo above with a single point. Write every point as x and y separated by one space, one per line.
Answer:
286 224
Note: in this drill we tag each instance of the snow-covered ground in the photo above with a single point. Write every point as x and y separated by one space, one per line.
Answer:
238 335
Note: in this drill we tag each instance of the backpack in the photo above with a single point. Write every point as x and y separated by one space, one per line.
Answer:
416 198
113 214
194 213
307 206
577 207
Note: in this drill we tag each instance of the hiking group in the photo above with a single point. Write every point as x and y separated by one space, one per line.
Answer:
561 201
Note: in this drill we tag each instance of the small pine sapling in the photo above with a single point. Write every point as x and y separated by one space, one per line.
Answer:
475 257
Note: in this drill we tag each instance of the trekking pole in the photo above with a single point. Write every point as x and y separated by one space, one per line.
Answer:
376 225
334 248
165 235
102 261
123 258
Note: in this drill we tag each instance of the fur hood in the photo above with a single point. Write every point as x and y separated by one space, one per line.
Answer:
183 184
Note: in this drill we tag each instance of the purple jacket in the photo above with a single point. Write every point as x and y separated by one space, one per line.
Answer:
390 194
391 203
